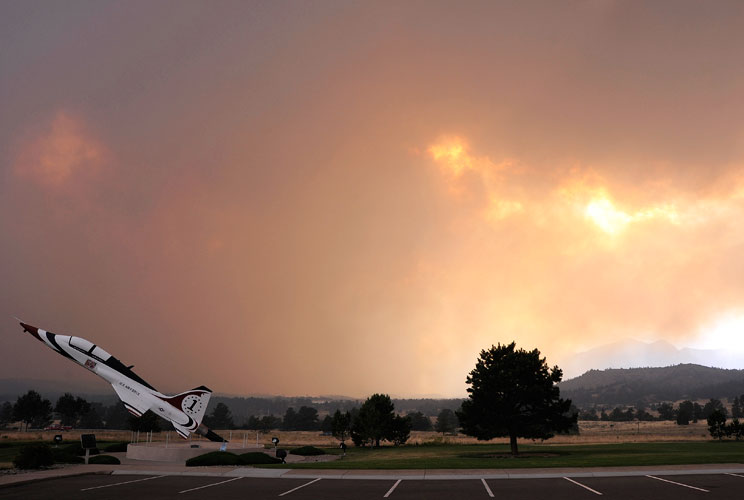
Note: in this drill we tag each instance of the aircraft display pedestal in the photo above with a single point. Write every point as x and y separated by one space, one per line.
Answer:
180 452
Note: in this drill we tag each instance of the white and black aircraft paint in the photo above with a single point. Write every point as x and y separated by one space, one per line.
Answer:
185 411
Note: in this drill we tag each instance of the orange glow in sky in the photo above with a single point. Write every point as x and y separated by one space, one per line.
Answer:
267 198
603 213
452 154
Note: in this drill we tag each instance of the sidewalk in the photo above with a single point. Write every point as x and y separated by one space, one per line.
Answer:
160 469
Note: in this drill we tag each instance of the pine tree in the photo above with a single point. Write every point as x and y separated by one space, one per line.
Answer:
513 393
32 409
446 422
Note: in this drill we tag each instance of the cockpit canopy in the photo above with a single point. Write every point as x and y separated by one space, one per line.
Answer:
89 348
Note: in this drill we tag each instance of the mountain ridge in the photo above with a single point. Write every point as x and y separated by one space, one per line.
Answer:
634 386
632 353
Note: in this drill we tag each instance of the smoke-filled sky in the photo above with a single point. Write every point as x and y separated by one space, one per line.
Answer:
354 197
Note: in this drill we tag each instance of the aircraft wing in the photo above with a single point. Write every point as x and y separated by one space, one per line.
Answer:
131 401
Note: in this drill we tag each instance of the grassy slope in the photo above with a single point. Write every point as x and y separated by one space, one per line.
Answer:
493 456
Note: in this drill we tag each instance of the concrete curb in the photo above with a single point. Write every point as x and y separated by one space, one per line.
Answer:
430 475
427 475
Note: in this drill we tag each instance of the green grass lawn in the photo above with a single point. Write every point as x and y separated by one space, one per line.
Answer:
497 456
9 450
489 456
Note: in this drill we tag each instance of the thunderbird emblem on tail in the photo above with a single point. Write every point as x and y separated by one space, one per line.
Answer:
185 411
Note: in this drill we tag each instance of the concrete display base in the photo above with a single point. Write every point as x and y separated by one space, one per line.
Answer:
180 452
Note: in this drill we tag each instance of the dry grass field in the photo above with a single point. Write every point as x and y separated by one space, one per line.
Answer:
589 433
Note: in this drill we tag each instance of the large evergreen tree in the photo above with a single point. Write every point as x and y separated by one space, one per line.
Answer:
341 425
419 421
221 418
400 430
270 422
32 409
446 422
289 422
117 417
736 408
307 419
666 411
685 412
326 426
513 393
717 424
146 423
6 414
90 419
376 421
712 406
71 409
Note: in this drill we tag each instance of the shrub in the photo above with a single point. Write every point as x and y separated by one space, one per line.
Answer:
227 458
256 458
62 456
307 451
116 448
76 449
104 459
34 456
214 458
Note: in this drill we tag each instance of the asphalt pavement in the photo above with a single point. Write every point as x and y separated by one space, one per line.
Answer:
640 484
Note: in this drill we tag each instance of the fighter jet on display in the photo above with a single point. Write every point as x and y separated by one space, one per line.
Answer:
185 411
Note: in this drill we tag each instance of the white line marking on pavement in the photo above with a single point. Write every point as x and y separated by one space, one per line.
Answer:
210 485
392 489
732 474
117 484
488 490
302 486
679 484
582 485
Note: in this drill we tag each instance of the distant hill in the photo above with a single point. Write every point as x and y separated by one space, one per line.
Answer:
629 386
630 353
10 389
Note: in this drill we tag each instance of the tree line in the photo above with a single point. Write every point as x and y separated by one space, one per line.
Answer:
684 413
244 407
307 419
34 411
719 429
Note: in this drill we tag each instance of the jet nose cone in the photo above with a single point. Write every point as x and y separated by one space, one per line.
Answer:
30 329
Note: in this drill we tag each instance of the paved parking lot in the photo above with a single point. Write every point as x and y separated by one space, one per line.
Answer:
650 487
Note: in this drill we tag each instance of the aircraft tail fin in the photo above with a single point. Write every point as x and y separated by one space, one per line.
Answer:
193 403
